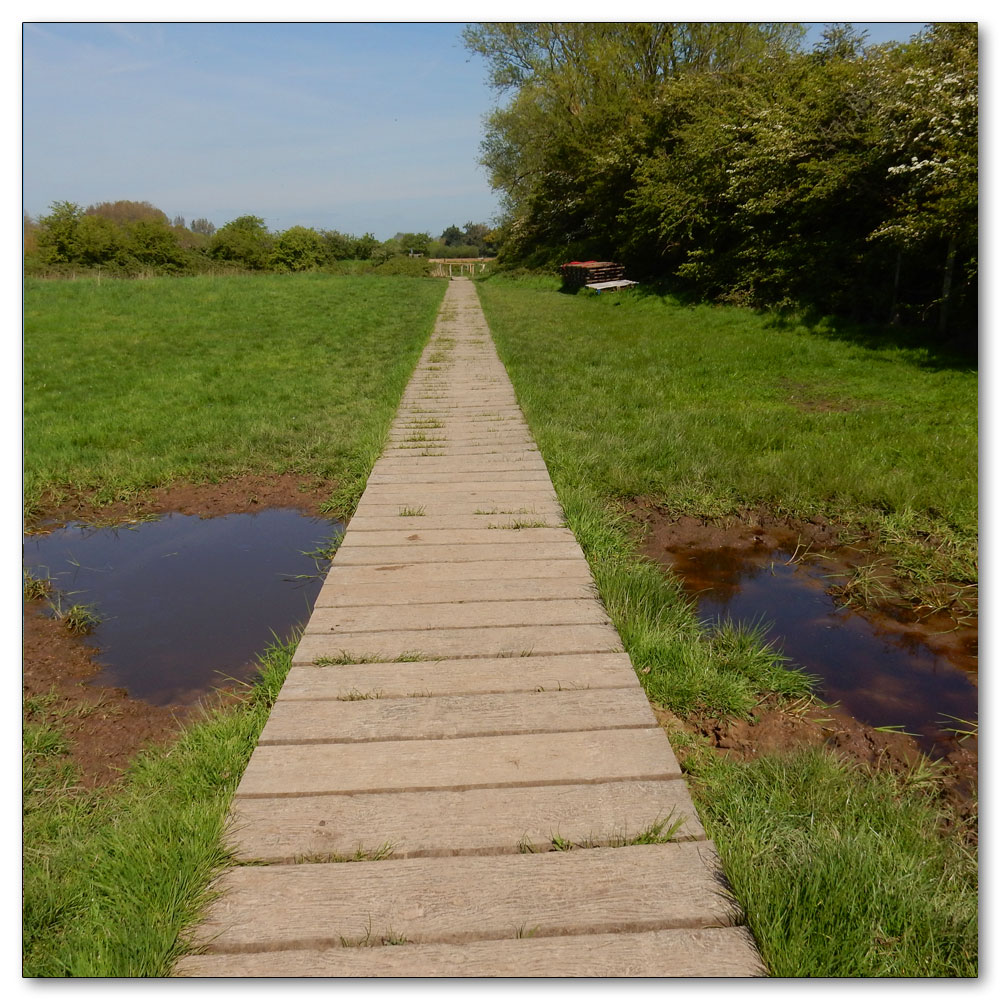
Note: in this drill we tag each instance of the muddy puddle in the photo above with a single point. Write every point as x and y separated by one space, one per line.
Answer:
918 676
185 602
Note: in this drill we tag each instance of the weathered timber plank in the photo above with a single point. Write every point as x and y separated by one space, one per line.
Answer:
334 595
514 549
465 614
481 535
475 821
445 643
365 522
476 762
717 952
449 716
455 899
475 676
411 571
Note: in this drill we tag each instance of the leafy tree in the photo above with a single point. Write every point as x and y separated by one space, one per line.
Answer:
244 241
98 241
127 211
413 242
202 226
364 247
337 245
452 236
929 115
298 249
57 233
150 244
743 167
382 253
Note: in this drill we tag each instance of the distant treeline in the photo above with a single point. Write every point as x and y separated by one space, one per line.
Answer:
131 238
741 168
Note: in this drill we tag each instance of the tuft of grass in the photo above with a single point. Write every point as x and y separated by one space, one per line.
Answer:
80 619
842 873
369 939
36 588
345 657
517 525
355 695
113 877
412 511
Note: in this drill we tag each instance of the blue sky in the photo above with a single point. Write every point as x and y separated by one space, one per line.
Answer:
357 127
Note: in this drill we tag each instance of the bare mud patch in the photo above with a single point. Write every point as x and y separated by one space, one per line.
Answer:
241 495
934 664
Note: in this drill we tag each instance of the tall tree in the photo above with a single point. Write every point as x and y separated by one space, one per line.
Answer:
244 241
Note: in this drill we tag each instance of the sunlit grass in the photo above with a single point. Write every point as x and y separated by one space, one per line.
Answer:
112 877
710 409
129 385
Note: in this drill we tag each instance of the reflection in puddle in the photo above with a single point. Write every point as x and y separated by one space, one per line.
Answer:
186 602
879 670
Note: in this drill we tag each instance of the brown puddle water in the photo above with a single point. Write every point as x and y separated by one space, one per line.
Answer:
882 671
186 602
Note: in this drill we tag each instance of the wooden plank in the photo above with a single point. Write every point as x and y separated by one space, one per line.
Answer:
483 534
455 899
447 643
507 547
465 614
413 571
335 595
475 762
474 821
717 952
362 720
476 676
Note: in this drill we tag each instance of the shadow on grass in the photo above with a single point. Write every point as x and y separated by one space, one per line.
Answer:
927 348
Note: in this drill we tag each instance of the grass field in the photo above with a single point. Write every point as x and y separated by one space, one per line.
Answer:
132 384
709 410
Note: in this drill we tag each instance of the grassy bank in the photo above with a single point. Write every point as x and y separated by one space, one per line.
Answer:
112 877
130 385
710 410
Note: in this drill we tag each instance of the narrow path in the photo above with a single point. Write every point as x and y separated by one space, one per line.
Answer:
459 712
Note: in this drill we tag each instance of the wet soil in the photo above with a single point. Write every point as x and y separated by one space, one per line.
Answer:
242 495
672 541
105 726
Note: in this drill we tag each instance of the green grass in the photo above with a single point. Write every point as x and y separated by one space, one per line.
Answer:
113 877
130 385
848 874
710 410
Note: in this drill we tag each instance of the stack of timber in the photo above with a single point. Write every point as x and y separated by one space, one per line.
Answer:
578 273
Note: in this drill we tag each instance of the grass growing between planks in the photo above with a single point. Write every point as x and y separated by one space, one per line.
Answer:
710 410
133 384
112 877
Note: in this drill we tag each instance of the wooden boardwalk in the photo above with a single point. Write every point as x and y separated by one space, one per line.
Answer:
459 712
